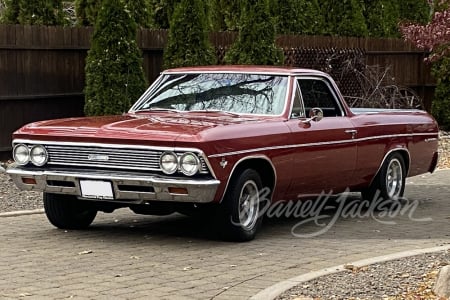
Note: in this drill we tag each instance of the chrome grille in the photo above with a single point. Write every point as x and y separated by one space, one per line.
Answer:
109 157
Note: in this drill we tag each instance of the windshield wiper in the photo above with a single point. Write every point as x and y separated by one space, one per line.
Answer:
215 111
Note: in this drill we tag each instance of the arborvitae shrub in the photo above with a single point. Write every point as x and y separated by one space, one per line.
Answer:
256 40
441 102
188 43
114 74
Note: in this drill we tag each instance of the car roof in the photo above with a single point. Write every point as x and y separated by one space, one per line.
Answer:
281 70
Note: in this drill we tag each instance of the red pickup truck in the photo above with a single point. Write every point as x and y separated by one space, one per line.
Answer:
210 139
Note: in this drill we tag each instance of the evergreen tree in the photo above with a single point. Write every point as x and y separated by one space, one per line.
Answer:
297 16
188 43
344 18
256 40
225 14
160 12
114 74
140 9
86 11
440 107
38 12
382 18
417 11
10 14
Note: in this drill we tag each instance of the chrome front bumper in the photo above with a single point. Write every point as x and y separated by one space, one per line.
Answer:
126 187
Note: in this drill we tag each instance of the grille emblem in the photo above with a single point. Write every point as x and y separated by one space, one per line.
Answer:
98 157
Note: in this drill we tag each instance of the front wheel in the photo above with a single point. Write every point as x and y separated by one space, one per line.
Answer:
389 184
67 212
240 212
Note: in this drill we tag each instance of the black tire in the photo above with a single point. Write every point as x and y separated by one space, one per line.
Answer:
389 183
67 212
239 213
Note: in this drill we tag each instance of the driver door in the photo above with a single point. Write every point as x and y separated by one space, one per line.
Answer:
324 156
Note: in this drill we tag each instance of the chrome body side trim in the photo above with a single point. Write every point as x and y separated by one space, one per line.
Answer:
320 143
130 188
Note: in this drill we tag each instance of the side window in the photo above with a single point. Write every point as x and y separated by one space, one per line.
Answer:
316 93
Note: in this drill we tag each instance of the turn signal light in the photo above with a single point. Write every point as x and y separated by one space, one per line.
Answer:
178 191
29 180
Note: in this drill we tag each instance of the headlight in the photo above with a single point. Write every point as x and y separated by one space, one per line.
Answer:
189 164
21 154
168 162
38 155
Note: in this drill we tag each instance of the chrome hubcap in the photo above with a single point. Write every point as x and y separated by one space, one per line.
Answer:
248 205
394 179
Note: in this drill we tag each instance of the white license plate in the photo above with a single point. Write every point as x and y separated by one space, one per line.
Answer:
96 189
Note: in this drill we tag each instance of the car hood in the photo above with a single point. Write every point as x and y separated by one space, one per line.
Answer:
139 127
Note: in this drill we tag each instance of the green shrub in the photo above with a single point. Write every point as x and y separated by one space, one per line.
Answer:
297 16
225 14
344 17
188 43
86 11
37 12
382 17
256 40
114 74
10 14
417 11
441 102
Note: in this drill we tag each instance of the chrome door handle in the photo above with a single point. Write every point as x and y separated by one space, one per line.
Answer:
353 132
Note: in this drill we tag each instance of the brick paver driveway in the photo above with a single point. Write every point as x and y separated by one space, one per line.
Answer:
126 256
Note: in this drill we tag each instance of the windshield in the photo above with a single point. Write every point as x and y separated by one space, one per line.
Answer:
229 92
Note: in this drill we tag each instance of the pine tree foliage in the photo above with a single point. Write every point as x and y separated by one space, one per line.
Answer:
114 73
344 17
188 43
161 12
297 16
417 11
382 17
86 11
225 14
10 14
37 12
256 40
441 103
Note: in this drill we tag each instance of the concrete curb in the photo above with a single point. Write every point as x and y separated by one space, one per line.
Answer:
277 289
21 213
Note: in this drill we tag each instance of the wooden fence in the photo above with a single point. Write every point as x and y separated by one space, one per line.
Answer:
42 68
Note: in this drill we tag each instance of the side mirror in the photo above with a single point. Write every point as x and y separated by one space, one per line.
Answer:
315 114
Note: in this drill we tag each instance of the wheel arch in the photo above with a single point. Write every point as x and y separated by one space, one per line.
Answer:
261 164
404 152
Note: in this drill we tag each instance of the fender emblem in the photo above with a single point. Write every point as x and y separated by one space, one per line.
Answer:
223 163
98 157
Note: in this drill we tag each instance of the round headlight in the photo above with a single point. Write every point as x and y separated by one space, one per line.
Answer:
21 154
38 155
168 162
189 164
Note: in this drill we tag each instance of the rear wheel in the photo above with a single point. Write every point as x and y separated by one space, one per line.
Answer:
67 212
389 184
240 212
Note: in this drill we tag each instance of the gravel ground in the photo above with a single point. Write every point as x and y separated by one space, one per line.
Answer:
407 278
12 199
